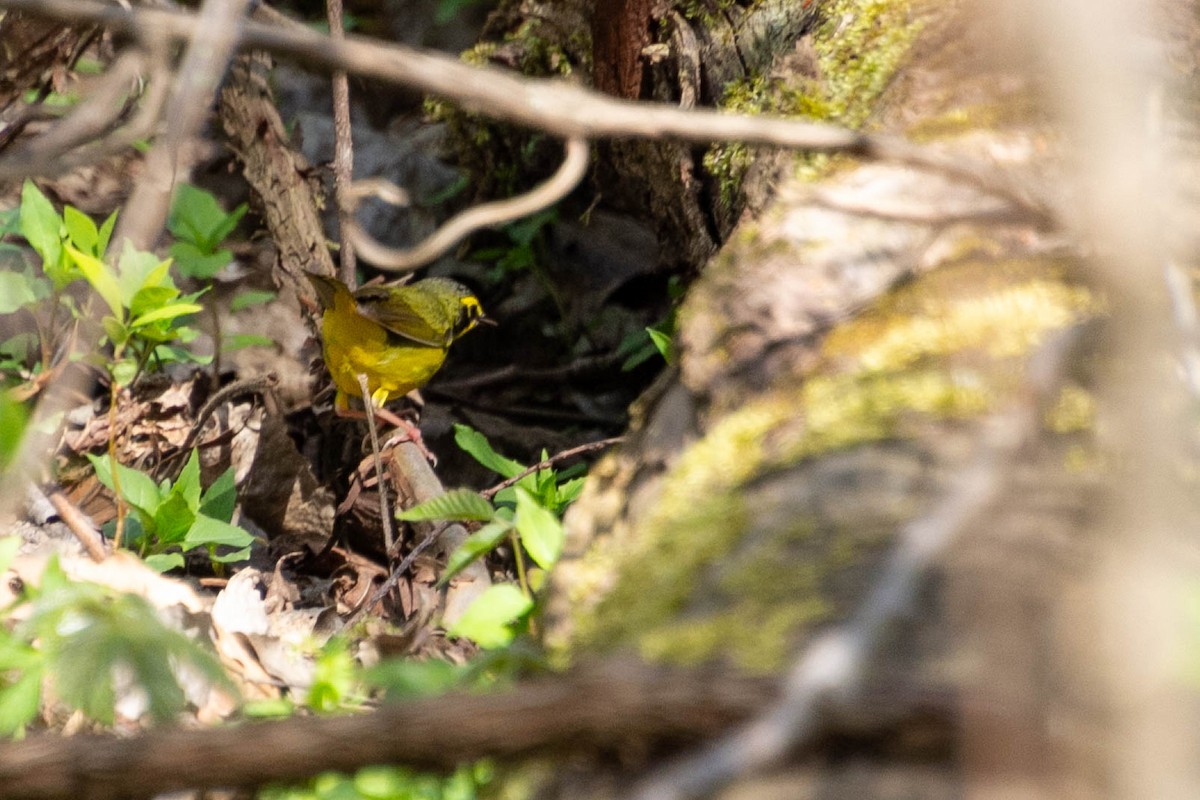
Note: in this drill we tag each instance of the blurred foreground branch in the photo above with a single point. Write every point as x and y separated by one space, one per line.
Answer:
549 105
599 709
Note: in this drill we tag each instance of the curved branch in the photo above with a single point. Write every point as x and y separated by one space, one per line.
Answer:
457 228
553 106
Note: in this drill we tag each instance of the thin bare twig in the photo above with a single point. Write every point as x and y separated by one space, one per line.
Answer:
394 576
487 215
212 45
385 514
80 525
551 461
49 163
343 148
553 106
98 112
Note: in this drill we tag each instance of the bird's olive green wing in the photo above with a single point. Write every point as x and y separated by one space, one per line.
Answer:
407 312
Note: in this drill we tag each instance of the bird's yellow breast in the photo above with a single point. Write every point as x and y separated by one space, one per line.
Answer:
356 345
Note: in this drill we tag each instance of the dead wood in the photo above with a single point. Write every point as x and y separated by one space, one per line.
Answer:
602 709
278 175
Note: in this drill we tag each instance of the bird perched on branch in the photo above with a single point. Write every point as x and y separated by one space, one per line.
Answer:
395 336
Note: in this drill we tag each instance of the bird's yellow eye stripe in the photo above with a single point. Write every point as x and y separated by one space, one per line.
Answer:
471 306
470 313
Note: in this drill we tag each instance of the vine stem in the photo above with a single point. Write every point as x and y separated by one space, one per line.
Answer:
520 559
114 392
384 511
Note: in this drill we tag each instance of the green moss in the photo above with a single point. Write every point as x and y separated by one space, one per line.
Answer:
946 347
1003 323
859 44
965 119
779 96
1073 411
705 12
503 159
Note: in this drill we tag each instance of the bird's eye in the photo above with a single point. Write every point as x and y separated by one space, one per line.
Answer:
468 315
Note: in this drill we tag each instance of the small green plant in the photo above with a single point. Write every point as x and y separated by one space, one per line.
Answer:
526 240
88 643
641 345
243 300
448 10
527 513
199 226
14 418
147 311
171 519
336 685
389 783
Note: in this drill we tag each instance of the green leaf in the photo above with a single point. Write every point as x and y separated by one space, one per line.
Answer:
137 488
569 491
251 297
488 621
476 445
124 371
195 263
240 341
164 562
197 217
41 226
479 543
447 10
102 279
20 701
456 504
138 269
662 342
115 330
10 221
9 545
17 290
172 519
187 485
219 500
232 557
226 226
641 355
81 230
268 709
105 234
402 678
117 633
91 690
209 532
525 230
193 213
149 298
14 419
167 312
541 532
168 354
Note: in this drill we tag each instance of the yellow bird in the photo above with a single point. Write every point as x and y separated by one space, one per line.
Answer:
397 336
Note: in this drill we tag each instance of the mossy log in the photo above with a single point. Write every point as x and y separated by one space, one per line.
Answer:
839 360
